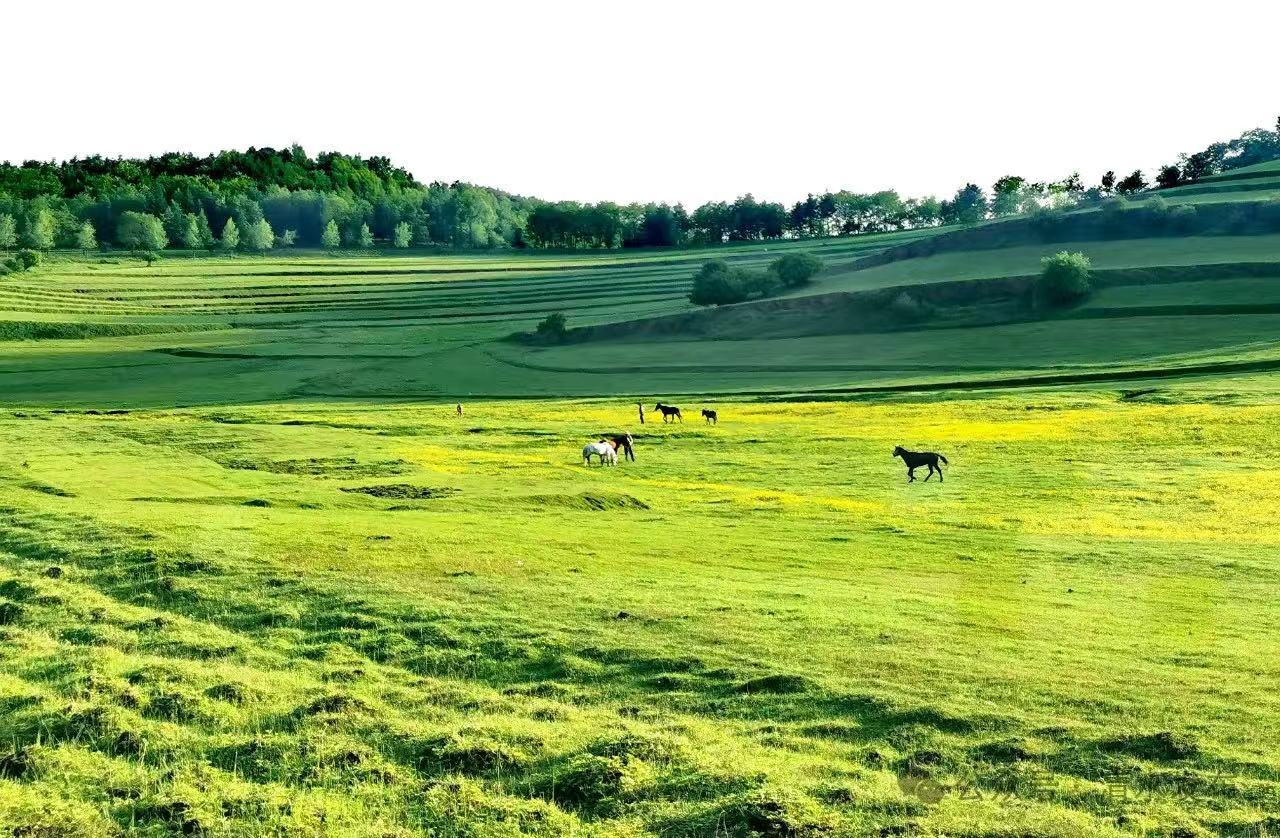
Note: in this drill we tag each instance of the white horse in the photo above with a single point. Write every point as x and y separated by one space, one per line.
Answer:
607 453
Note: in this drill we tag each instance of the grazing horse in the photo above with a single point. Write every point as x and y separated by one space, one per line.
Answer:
623 443
915 459
709 416
668 411
603 450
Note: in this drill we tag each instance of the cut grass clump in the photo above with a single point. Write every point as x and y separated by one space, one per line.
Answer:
1163 746
586 782
403 491
760 813
472 754
321 466
780 683
588 501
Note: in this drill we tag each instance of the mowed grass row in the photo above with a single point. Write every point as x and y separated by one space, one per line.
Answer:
391 328
379 620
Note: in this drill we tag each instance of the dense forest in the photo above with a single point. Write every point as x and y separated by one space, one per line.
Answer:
265 198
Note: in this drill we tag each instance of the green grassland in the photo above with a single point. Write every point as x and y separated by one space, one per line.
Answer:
379 620
307 326
256 578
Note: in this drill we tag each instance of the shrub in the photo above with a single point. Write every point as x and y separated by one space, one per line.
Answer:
1066 277
27 259
758 283
553 328
796 269
148 256
717 284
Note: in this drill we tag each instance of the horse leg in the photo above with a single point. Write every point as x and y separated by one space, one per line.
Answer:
939 473
911 474
930 474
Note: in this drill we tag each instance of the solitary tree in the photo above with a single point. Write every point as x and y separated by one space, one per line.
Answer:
230 235
796 269
288 238
1066 277
403 235
258 236
330 237
366 236
553 328
8 232
141 231
86 237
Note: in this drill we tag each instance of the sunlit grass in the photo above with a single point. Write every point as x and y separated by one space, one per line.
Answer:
758 626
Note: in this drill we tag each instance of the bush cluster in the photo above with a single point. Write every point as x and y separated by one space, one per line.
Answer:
1065 277
23 260
718 283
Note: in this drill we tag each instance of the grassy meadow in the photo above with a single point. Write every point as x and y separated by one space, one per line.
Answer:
258 579
383 620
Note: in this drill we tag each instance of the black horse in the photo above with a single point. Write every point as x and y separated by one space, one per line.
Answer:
915 459
668 411
623 443
709 416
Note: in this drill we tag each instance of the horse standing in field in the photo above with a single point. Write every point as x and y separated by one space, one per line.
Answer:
915 459
668 411
603 450
623 443
710 416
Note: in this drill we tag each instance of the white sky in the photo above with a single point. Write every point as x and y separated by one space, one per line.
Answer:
690 101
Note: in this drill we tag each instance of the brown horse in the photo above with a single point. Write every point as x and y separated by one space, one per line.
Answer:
668 411
623 443
915 459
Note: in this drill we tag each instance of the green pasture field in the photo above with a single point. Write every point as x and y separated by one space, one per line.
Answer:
258 579
112 333
374 619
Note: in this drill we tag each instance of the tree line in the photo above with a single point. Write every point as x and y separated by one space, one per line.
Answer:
261 199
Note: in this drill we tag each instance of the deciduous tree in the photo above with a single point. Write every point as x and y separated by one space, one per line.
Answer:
331 239
230 235
141 231
39 230
86 237
8 232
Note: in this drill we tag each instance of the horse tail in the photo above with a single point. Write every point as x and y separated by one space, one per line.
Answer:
944 459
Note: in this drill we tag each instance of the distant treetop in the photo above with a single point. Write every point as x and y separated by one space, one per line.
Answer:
256 168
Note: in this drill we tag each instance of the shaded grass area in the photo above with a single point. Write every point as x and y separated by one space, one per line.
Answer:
311 326
11 330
